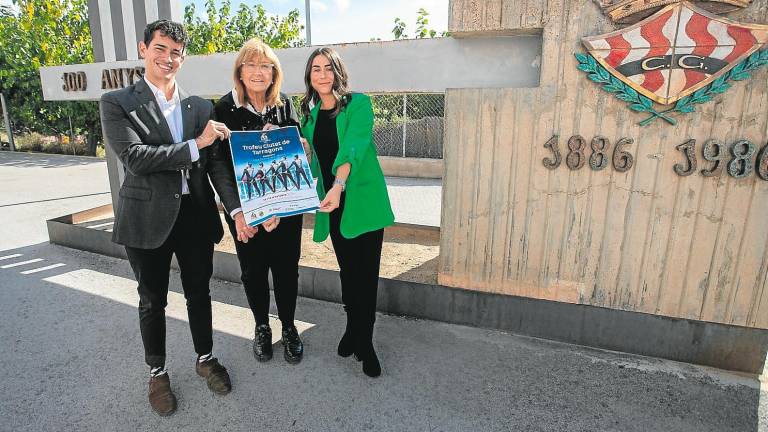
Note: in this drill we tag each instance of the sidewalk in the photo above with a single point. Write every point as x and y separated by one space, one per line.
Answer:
75 357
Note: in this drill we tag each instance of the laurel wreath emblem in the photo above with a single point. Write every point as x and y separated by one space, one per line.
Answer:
637 102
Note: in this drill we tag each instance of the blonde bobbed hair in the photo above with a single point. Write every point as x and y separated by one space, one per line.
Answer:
255 50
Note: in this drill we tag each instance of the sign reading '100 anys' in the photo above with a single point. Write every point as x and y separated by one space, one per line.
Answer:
111 79
740 159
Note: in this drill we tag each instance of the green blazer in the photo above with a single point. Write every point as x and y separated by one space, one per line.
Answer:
366 206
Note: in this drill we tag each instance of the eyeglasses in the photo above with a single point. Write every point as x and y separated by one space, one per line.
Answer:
261 67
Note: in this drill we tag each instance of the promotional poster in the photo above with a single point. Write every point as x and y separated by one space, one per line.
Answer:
272 174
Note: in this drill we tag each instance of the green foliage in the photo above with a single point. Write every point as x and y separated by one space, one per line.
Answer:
399 29
422 30
56 32
44 33
221 31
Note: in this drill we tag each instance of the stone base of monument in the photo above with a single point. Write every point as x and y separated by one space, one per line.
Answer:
408 287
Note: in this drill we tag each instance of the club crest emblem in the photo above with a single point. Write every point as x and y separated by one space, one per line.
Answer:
678 57
264 138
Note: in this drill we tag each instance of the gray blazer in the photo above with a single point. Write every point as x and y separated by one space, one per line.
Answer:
150 196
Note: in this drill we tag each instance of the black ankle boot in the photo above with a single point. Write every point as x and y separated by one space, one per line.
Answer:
262 343
371 365
293 348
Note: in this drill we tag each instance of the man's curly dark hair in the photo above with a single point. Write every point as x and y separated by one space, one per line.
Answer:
173 30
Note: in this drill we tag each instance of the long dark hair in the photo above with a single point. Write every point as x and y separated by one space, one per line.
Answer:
340 86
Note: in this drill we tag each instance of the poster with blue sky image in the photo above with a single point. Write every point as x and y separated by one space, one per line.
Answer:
272 174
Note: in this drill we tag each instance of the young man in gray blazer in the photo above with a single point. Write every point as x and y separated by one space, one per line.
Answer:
166 206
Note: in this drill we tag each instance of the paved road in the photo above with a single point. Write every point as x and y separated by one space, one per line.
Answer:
73 354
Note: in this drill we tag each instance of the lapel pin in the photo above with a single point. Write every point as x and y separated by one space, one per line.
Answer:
189 106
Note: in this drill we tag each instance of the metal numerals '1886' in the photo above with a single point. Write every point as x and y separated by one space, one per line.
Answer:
553 163
739 162
575 158
622 160
598 159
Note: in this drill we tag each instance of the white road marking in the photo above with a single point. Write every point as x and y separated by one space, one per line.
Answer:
21 263
52 266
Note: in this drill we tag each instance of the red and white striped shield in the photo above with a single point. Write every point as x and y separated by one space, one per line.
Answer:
676 51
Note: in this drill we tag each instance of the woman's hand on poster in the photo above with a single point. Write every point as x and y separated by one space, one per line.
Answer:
307 149
244 231
331 200
271 223
270 126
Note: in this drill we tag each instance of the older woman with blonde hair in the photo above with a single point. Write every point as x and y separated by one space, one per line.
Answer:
255 103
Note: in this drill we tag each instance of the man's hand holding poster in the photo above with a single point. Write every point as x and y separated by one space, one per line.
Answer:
272 174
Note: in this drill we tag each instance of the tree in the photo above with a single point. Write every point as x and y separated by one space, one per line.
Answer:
388 108
422 32
39 33
45 33
222 32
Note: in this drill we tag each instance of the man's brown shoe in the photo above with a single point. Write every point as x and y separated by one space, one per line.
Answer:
161 398
215 375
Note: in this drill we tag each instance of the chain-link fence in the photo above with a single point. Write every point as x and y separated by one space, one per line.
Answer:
406 125
409 125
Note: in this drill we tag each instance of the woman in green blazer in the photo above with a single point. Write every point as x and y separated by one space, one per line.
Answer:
355 206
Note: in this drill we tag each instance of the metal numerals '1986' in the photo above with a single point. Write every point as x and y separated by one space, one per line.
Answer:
689 150
713 151
736 160
598 159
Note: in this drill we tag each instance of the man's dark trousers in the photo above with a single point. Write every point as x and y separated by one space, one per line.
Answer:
154 219
194 253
